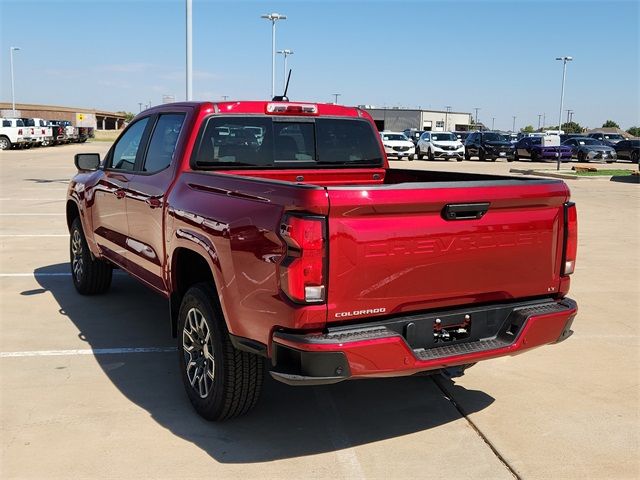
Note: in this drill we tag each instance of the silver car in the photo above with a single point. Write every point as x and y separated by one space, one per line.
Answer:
588 149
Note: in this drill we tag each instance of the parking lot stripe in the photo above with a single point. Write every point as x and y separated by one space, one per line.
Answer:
18 199
5 235
34 274
30 214
88 351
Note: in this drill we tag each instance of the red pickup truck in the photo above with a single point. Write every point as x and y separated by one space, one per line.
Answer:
278 232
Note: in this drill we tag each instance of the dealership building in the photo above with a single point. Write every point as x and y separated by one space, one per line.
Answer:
399 119
79 117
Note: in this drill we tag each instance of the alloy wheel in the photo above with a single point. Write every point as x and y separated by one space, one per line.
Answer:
197 345
77 251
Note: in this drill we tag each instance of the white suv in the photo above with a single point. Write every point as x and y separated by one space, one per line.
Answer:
396 144
439 145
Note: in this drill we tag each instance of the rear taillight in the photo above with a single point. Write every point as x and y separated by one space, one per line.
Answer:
570 238
292 108
302 271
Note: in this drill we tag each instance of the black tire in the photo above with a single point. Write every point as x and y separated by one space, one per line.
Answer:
5 143
430 155
516 157
459 159
466 155
581 157
90 275
634 157
534 156
418 153
482 156
233 385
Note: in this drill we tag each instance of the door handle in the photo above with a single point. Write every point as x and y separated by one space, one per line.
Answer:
120 194
465 211
153 202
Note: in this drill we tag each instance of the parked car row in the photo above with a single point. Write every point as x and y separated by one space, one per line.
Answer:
37 132
493 145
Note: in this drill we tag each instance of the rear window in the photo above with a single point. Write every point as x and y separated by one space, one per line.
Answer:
263 142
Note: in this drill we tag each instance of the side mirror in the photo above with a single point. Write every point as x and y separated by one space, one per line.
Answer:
87 162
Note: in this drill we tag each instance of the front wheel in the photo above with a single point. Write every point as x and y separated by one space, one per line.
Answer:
5 143
90 275
582 157
634 157
221 381
430 155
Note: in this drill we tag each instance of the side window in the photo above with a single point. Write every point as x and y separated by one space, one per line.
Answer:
163 142
126 150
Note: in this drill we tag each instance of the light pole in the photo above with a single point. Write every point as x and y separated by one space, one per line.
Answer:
224 97
285 53
140 105
189 53
446 118
273 17
544 120
569 114
13 93
564 72
493 122
335 96
513 129
476 109
539 115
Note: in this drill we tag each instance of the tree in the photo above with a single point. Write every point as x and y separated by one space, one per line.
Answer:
610 124
528 129
635 131
572 127
128 116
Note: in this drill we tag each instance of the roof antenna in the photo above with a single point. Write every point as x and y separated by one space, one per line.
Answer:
284 97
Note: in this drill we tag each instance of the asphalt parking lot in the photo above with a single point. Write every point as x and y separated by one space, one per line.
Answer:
78 402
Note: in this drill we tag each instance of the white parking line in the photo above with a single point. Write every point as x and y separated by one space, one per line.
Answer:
17 199
31 214
9 235
89 351
33 274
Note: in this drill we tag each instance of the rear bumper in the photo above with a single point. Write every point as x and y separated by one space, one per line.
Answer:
405 345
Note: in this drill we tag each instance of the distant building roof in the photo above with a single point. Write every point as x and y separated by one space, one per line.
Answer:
56 108
610 130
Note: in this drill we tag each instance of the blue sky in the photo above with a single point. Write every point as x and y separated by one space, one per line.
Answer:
496 55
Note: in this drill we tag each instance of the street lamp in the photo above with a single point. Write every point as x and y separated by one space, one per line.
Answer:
446 118
564 72
273 17
189 53
476 109
13 93
539 115
285 53
335 96
493 122
514 124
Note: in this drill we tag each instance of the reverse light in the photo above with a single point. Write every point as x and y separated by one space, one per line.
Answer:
302 271
292 108
570 238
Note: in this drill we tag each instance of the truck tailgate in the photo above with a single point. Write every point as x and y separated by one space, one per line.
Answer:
392 250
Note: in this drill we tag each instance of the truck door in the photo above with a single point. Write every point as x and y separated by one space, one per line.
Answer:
146 199
108 210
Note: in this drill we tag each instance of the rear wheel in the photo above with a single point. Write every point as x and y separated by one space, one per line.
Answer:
221 381
534 156
582 157
467 156
482 156
5 143
90 275
419 155
634 157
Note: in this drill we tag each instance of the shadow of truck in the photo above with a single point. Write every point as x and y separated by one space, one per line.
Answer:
288 421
